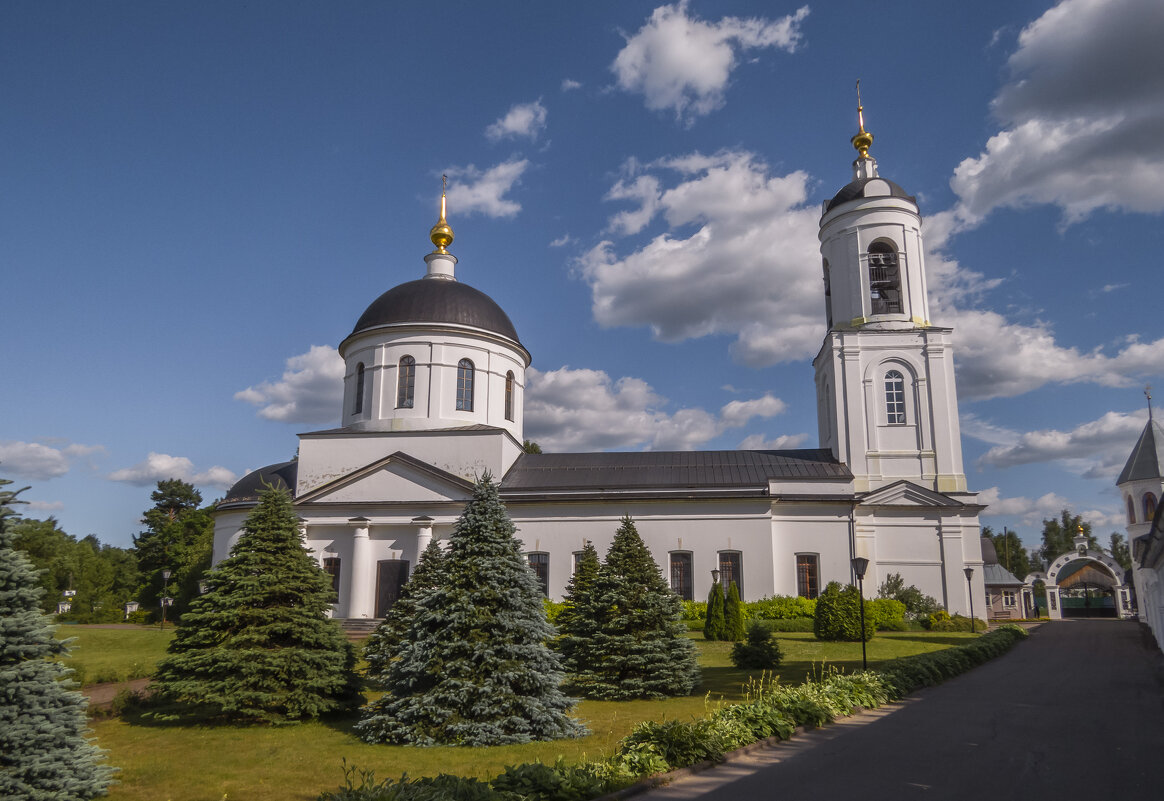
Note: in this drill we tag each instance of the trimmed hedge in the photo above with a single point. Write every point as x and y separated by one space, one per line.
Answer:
911 673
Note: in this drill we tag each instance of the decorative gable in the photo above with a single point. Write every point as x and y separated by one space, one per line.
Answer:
395 478
905 493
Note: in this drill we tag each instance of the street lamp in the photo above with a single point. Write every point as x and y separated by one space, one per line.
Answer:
860 565
715 575
970 586
165 601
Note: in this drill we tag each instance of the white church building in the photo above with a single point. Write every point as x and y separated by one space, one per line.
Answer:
433 397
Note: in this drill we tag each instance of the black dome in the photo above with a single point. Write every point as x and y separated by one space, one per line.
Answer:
435 300
856 190
247 488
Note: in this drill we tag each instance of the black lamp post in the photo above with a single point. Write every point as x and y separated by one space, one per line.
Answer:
969 571
860 564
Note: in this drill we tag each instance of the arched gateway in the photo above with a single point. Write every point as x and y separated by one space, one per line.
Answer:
1121 593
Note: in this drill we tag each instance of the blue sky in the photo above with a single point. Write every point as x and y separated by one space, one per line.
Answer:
197 201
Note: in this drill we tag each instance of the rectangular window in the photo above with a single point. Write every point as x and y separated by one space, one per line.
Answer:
1009 599
681 575
540 564
807 575
331 566
731 569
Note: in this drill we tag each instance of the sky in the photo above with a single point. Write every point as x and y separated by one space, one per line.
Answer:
198 201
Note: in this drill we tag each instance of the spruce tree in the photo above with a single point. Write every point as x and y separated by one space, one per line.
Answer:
714 627
258 646
384 642
639 649
44 752
474 667
577 624
733 615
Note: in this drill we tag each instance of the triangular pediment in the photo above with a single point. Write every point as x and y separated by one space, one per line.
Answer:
906 493
395 478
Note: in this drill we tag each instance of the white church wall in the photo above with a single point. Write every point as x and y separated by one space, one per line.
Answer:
806 528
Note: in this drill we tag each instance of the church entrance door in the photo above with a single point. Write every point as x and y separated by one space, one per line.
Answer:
391 576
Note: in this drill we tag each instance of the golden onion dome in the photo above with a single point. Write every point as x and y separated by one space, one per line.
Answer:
442 233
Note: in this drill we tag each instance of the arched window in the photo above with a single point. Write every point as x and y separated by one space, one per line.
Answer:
808 575
731 570
884 279
539 563
405 382
828 295
1131 510
1149 507
464 386
681 583
509 395
894 398
359 389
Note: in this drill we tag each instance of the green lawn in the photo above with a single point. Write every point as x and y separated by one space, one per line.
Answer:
100 655
294 763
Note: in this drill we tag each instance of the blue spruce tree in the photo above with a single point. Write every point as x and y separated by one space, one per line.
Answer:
473 667
44 752
384 643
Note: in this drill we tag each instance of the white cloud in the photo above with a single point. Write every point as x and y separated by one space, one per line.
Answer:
1082 113
562 241
584 410
1095 449
758 442
162 466
732 263
311 390
680 62
40 462
45 506
1033 511
472 191
569 85
524 120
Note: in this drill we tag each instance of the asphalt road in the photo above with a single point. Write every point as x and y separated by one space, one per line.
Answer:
1075 712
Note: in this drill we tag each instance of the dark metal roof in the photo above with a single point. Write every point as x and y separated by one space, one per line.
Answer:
436 300
1148 455
248 488
999 576
670 470
856 190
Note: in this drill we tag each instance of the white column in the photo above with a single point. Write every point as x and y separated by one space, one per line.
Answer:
360 601
1054 602
423 536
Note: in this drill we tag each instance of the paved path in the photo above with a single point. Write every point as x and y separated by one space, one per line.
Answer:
1076 711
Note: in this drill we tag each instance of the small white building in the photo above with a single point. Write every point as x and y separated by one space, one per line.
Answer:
1142 485
433 396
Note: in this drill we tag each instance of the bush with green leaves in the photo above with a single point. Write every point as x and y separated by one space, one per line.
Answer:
886 614
910 673
714 626
941 620
257 646
838 615
918 606
474 667
733 615
45 752
535 781
694 610
761 651
781 607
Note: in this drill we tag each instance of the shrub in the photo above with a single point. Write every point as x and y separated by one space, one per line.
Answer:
923 670
917 605
535 781
943 622
553 610
141 617
760 652
733 615
694 610
713 628
676 744
838 615
781 607
886 614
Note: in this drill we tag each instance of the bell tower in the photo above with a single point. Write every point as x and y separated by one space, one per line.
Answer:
886 400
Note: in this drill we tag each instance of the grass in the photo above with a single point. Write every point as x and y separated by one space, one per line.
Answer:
100 655
294 763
